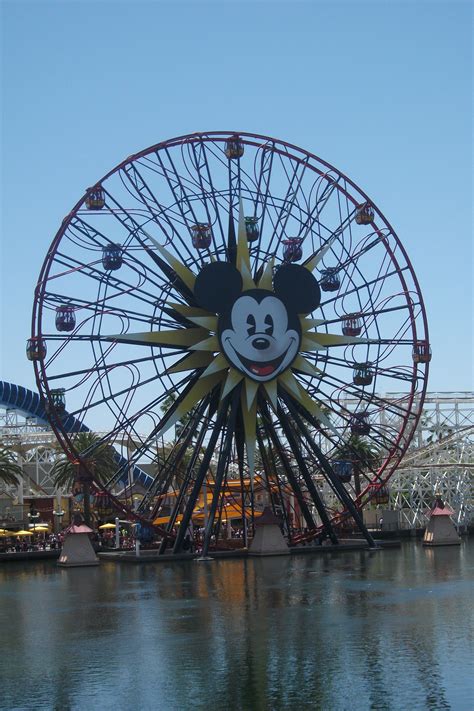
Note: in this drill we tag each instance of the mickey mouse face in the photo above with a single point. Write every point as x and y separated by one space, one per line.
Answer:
259 330
258 341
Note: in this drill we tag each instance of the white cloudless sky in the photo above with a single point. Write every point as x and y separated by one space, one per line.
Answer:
381 90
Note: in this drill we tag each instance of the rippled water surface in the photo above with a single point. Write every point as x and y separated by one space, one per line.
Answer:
356 630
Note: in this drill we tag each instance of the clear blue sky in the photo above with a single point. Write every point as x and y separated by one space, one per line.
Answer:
382 90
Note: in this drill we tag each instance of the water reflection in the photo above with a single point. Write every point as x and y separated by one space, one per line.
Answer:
354 630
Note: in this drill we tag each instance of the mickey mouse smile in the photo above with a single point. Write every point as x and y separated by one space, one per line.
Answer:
260 369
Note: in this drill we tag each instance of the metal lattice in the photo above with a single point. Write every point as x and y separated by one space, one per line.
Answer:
440 460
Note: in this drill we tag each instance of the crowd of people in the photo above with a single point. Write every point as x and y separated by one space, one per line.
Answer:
38 542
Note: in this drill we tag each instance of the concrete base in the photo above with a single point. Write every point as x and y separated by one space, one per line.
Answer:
152 556
268 540
77 551
441 531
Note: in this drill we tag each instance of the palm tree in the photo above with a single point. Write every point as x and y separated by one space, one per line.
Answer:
10 471
99 461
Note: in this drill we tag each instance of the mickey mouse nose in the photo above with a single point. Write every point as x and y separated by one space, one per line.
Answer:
260 343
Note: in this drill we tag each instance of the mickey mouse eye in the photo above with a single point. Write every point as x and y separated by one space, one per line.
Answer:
269 325
252 325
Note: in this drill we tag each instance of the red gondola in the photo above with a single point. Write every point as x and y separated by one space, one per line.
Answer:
362 374
234 148
382 493
359 423
292 251
364 214
421 352
330 280
57 398
201 235
251 228
112 257
65 318
35 348
95 199
352 325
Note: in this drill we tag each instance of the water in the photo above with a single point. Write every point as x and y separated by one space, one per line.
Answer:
386 630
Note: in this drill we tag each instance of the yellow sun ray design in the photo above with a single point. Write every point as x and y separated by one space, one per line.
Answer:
251 388
233 378
271 391
267 276
198 359
202 347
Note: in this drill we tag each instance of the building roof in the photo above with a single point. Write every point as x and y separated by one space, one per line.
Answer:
267 518
81 528
438 511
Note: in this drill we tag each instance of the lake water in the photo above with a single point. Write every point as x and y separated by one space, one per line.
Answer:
355 630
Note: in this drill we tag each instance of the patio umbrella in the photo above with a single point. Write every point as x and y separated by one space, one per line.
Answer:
22 533
4 532
105 526
39 529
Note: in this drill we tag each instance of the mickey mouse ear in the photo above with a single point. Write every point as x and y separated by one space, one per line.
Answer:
297 288
217 286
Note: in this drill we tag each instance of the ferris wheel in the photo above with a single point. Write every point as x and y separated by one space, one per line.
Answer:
243 298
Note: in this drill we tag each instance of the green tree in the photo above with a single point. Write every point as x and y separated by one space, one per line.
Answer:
99 462
10 471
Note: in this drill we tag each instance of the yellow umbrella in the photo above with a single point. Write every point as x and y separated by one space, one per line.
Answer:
165 519
107 525
4 532
22 533
39 529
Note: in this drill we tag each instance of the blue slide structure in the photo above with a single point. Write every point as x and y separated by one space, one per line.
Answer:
29 404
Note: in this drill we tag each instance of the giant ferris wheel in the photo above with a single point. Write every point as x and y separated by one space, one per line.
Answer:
245 301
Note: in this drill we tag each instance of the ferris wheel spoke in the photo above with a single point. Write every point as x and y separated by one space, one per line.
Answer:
365 315
135 229
210 191
201 474
195 430
280 450
159 213
274 484
222 466
376 281
355 256
328 472
352 392
101 306
308 480
109 366
104 399
187 384
135 291
262 195
177 187
282 216
313 224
